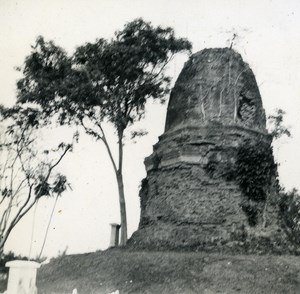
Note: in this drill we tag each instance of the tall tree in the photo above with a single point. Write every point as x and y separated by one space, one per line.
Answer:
26 172
105 81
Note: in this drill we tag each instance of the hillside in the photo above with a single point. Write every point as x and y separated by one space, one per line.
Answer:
170 272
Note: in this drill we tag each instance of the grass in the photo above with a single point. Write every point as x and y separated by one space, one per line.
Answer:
170 272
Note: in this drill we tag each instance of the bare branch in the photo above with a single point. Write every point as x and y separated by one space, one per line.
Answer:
89 131
104 140
18 173
58 161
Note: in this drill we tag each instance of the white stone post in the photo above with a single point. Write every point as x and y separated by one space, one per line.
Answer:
22 277
114 235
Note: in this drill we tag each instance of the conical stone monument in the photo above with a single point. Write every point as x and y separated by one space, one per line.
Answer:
194 195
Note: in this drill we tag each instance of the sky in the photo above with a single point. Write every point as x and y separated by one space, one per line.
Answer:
268 39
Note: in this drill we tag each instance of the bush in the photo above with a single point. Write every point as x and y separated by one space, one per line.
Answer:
255 170
9 257
290 211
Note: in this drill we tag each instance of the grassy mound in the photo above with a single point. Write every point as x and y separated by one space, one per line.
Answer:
170 272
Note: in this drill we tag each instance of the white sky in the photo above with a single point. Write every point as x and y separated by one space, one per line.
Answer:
269 41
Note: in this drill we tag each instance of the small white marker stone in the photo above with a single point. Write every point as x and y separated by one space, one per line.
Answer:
22 277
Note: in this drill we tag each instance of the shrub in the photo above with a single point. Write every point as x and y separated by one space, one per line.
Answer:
255 169
290 211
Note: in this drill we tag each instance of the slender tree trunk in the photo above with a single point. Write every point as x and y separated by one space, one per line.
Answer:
121 191
1 251
119 176
122 209
32 229
16 220
47 230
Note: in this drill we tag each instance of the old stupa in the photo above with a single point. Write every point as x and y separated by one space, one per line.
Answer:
190 198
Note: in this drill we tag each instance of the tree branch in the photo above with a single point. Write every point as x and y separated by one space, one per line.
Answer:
18 216
104 140
58 161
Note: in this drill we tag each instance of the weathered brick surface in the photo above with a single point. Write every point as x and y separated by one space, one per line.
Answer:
216 84
189 197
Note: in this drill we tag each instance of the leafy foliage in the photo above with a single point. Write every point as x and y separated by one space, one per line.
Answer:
60 184
251 210
104 81
290 210
255 169
115 77
277 129
9 257
138 134
26 172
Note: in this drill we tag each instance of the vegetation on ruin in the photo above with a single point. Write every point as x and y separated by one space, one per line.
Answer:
256 173
255 169
277 129
290 211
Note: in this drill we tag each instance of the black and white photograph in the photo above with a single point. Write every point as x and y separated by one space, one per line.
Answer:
149 146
